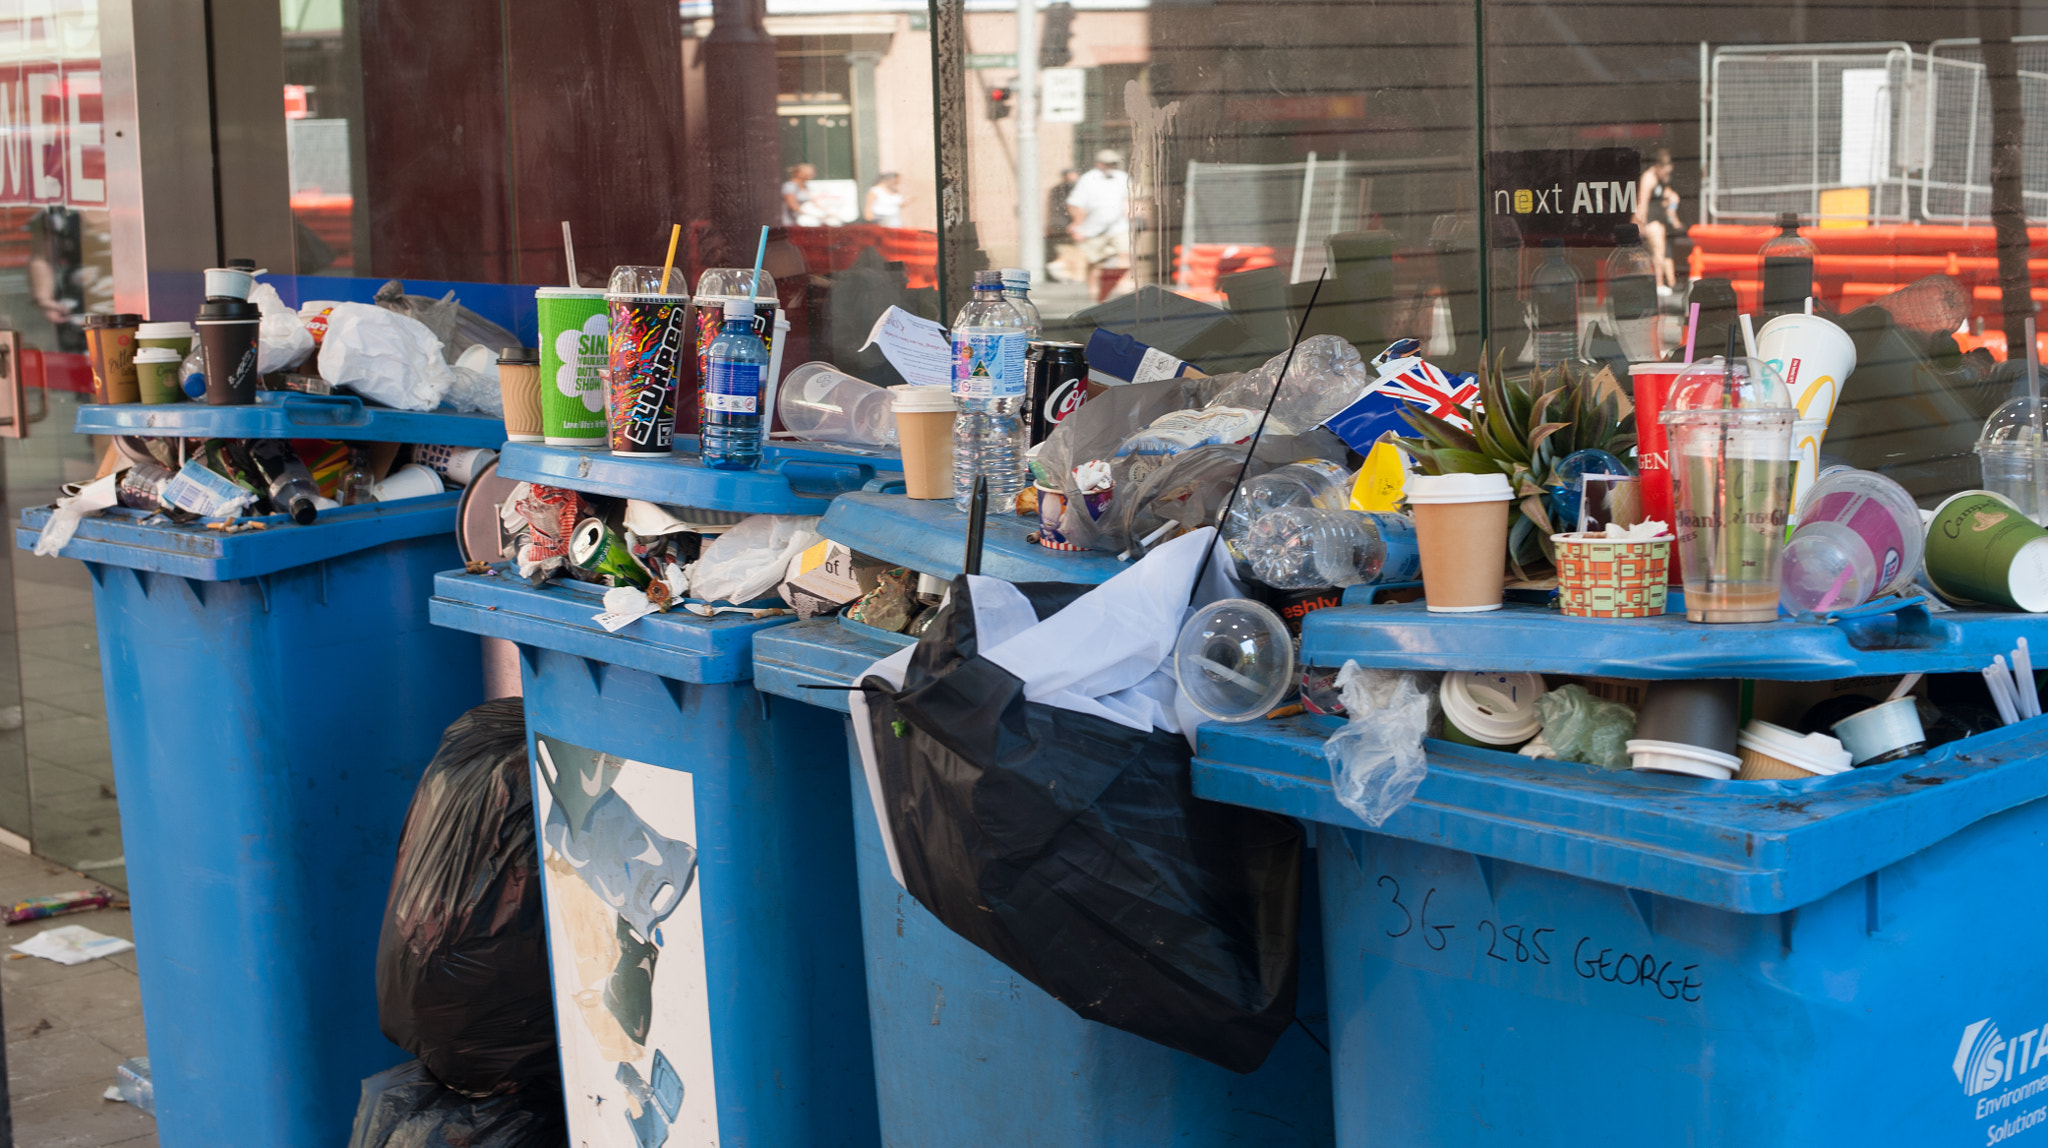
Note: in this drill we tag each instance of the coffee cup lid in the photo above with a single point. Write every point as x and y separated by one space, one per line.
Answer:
1433 489
1814 752
104 319
1492 707
172 330
228 309
158 355
518 355
916 400
1677 757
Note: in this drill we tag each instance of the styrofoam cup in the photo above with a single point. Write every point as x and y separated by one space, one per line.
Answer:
413 481
1882 732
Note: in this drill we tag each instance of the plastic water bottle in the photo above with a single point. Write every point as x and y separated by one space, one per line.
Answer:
1632 297
732 392
1316 482
1554 298
1303 548
1017 289
989 338
1787 262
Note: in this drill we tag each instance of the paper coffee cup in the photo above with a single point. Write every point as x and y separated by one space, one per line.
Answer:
458 464
1773 753
1980 548
1461 528
519 384
1806 439
1814 356
924 430
1489 710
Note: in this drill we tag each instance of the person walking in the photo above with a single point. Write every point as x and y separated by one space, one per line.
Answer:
796 196
885 200
1100 206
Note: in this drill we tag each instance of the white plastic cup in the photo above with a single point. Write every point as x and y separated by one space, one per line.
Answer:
229 283
821 403
457 464
414 481
1814 356
1882 732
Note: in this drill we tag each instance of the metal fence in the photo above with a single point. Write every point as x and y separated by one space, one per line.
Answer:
1787 124
1294 207
1955 185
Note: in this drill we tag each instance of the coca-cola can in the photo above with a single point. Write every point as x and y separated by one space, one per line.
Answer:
1055 383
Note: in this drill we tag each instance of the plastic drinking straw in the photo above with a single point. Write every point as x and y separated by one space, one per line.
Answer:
760 255
2034 405
675 232
1999 683
1748 336
569 250
2023 669
1906 685
1827 601
2012 689
1809 304
1692 329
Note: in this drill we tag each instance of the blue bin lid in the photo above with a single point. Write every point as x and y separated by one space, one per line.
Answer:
820 652
124 537
1745 846
790 480
558 616
1532 639
929 536
288 414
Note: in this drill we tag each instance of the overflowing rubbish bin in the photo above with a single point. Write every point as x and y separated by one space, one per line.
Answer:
1542 952
966 1050
273 692
702 919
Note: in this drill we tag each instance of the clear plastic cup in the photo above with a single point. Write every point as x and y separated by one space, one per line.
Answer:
1234 660
821 403
1827 566
1730 424
2015 457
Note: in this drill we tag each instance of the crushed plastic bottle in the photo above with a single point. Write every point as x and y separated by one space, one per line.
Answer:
1327 375
1313 482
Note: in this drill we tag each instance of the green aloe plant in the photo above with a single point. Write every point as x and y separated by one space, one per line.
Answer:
1528 423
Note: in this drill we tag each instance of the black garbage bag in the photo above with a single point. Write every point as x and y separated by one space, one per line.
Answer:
1073 850
404 1107
462 965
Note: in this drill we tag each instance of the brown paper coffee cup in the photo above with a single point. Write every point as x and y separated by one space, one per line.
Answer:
519 383
1762 767
1461 528
924 431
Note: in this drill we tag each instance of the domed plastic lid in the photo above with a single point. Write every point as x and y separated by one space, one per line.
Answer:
2011 429
1710 388
733 282
1234 659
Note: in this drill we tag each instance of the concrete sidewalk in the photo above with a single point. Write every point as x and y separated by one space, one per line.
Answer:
68 1027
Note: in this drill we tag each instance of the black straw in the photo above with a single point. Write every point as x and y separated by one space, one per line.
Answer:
1253 445
977 521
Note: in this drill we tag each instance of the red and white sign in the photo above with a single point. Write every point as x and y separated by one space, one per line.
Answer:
52 135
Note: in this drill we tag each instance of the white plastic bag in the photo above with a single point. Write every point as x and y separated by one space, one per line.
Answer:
282 341
385 357
1376 760
747 561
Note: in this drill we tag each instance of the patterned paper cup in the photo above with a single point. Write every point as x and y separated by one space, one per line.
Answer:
1602 577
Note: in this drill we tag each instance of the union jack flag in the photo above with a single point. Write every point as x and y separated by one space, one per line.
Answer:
1404 383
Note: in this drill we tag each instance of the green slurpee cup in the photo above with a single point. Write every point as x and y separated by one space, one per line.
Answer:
575 350
1980 548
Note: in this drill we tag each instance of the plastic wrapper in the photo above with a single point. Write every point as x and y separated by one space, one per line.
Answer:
282 341
747 562
1068 843
1095 431
458 327
462 962
1327 375
540 520
384 356
1376 760
403 1107
1187 490
1580 727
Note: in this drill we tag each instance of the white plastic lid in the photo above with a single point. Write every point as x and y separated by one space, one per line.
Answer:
1234 660
1813 752
739 309
916 400
178 330
568 292
158 354
1677 757
1436 489
1496 708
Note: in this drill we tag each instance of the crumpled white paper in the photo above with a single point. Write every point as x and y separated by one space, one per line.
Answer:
91 499
384 356
748 561
282 341
625 605
1641 531
72 945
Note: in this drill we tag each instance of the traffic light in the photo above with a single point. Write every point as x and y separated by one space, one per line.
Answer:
999 102
1055 48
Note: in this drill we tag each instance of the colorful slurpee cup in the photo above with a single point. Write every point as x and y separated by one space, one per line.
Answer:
574 349
649 343
715 288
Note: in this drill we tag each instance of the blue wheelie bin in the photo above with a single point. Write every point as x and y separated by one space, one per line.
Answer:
966 1051
1541 953
701 915
272 697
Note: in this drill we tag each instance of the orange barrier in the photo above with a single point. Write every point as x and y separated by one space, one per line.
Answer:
1198 266
328 216
829 249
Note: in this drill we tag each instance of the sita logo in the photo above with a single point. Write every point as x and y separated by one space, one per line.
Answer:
1984 1060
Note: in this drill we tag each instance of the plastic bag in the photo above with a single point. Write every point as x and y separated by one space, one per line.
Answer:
1071 847
403 1107
748 561
1580 727
462 964
1327 375
384 356
1376 760
282 341
458 327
